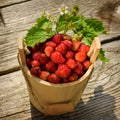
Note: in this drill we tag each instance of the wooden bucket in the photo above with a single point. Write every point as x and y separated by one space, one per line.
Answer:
54 99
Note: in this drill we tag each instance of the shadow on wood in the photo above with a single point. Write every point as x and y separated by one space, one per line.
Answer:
109 12
98 107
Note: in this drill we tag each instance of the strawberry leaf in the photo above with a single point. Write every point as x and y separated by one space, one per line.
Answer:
102 57
40 32
36 35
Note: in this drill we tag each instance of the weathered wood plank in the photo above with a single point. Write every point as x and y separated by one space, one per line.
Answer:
8 52
100 100
9 2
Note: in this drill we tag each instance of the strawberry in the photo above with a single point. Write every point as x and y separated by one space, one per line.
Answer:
43 59
28 61
44 75
60 64
80 56
79 69
63 71
51 66
48 51
57 38
69 54
65 80
76 45
35 71
68 44
83 48
35 48
57 57
86 64
36 55
54 78
73 77
35 63
61 48
51 44
71 63
42 47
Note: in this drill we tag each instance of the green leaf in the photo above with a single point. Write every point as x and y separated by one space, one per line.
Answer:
36 35
62 24
87 40
96 25
40 32
102 57
89 28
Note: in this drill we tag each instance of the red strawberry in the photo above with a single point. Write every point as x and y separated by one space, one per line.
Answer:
35 48
35 71
71 63
57 38
51 66
43 59
57 57
35 63
86 64
73 77
61 48
28 61
80 56
63 71
79 69
48 51
65 80
83 48
36 55
76 45
54 78
69 54
60 64
42 47
68 44
44 75
51 44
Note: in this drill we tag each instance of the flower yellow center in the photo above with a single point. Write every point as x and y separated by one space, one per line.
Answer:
63 9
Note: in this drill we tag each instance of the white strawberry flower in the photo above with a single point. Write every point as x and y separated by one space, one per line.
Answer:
63 9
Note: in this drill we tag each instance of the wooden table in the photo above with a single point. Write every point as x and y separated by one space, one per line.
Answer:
101 98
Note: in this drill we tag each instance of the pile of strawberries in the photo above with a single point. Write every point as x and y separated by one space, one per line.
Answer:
59 59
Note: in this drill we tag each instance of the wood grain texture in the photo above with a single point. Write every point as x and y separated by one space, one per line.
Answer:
5 3
8 52
100 100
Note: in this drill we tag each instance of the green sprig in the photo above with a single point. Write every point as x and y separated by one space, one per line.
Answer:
82 27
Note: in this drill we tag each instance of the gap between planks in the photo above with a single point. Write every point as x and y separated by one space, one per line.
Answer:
12 3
